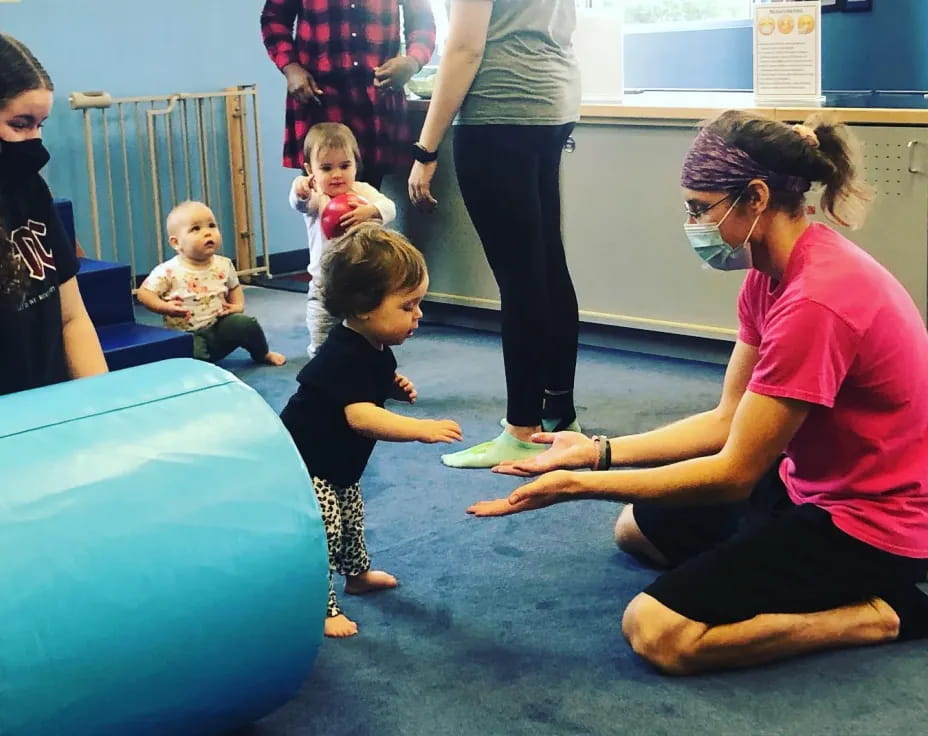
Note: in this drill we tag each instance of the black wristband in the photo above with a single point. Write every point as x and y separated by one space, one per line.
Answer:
604 452
421 154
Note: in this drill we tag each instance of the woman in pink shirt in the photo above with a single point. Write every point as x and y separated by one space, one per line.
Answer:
794 515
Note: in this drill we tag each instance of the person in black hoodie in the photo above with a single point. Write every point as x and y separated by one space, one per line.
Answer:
46 335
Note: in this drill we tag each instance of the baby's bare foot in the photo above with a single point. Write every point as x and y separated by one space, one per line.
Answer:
275 358
368 582
340 626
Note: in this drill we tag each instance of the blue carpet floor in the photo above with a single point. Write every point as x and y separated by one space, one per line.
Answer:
511 626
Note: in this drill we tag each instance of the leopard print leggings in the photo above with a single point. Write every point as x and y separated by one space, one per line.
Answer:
343 516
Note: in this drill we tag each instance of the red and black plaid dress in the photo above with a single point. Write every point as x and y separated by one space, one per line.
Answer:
340 42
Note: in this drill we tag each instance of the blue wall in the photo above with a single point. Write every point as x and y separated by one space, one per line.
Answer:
139 48
884 49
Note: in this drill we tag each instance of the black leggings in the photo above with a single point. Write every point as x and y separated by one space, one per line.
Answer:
509 177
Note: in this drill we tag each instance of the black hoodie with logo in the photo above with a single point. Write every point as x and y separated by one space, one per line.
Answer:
31 343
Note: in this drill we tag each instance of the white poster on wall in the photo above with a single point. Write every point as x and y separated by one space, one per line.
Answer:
598 44
788 53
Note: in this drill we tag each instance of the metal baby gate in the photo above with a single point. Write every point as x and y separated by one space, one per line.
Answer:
147 154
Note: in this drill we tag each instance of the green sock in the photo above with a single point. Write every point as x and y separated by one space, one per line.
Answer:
487 454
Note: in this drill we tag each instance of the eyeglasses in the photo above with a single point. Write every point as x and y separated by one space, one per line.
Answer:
701 211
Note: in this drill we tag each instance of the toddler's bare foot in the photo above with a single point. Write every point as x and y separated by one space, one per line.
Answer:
368 582
340 626
275 358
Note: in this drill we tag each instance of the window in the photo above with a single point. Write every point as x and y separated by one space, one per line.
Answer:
440 11
645 14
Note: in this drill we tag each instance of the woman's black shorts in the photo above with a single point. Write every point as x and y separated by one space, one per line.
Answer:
767 555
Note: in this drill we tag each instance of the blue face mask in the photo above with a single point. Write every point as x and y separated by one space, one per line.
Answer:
706 240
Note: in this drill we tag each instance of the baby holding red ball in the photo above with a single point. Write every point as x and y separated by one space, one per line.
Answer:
331 201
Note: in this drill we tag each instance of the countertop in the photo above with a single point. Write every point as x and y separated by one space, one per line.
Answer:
669 107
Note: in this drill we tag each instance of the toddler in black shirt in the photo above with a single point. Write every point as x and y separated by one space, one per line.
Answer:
375 280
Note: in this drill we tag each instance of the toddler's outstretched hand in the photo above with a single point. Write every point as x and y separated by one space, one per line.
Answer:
440 430
404 390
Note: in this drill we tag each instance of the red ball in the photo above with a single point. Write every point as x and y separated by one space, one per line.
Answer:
337 208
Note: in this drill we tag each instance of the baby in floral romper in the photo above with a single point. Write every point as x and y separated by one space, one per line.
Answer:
198 291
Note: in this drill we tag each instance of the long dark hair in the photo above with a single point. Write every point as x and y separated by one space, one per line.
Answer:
20 72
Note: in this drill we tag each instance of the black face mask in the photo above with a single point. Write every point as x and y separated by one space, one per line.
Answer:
22 158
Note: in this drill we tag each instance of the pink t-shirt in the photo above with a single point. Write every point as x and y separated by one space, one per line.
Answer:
842 334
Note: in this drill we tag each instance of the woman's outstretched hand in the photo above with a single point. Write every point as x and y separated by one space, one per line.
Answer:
549 489
568 450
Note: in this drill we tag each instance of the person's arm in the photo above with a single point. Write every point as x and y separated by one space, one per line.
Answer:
154 288
384 205
700 434
420 43
372 421
82 349
760 430
301 195
468 23
277 19
151 301
419 23
235 301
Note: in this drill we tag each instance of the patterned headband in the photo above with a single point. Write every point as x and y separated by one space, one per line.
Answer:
712 165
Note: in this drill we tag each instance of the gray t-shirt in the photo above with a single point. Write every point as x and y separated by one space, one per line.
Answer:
529 74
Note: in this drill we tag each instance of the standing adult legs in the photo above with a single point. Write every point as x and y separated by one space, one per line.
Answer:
560 363
499 173
515 208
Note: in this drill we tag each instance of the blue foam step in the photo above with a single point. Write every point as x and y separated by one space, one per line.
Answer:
106 290
128 344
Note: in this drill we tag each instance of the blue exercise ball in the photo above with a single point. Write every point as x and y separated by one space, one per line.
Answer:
164 563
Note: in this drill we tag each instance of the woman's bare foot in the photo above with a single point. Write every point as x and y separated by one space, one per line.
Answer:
368 582
523 434
340 626
275 358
